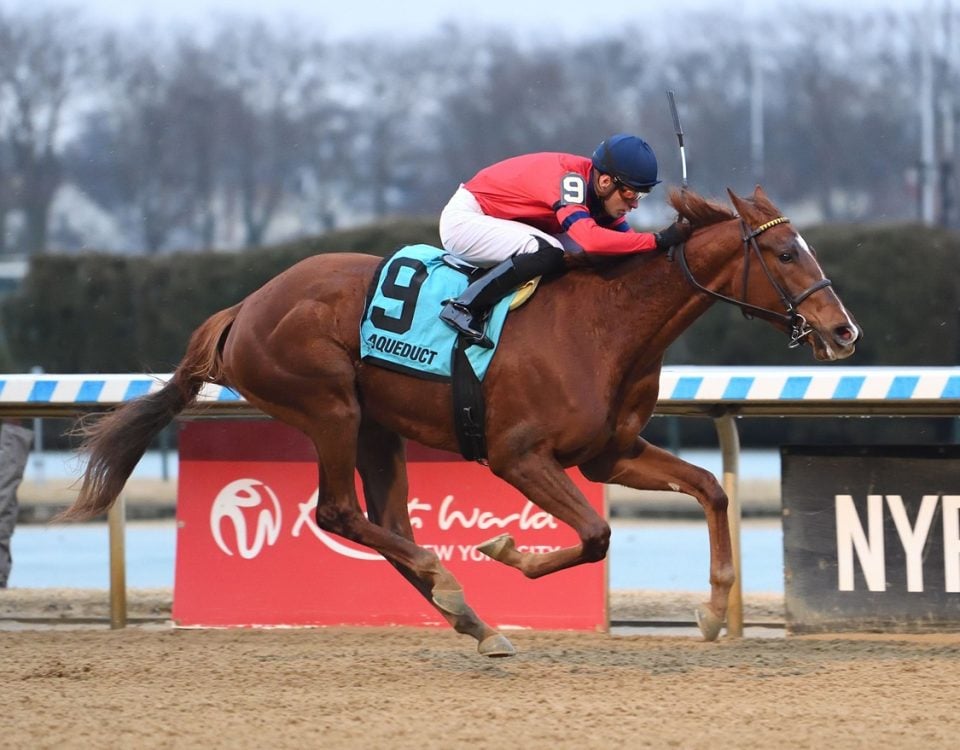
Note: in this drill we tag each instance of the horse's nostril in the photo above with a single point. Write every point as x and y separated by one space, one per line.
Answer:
846 334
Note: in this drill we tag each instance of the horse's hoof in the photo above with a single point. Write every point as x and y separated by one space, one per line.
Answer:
708 623
452 602
496 645
496 547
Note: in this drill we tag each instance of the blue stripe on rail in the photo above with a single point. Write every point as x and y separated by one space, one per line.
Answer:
42 391
952 388
849 387
686 388
795 387
90 391
903 386
137 388
738 388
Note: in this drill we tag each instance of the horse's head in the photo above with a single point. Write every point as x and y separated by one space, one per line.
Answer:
775 276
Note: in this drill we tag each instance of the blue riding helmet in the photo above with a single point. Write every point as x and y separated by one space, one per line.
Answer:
629 159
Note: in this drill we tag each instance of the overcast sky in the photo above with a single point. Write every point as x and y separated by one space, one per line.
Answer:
342 18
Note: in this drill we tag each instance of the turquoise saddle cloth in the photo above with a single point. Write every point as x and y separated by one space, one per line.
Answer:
400 329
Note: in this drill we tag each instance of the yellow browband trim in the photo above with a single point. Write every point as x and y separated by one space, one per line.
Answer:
771 223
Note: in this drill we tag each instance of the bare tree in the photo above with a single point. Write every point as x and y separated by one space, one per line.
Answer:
269 73
202 104
840 119
212 140
511 102
395 98
6 171
45 58
506 98
150 166
327 126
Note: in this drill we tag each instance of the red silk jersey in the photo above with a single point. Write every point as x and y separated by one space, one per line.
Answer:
553 192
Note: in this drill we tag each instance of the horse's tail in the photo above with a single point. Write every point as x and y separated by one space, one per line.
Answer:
115 441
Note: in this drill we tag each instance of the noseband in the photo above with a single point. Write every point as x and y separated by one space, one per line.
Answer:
795 322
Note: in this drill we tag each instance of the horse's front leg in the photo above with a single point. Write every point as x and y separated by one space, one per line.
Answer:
544 482
647 467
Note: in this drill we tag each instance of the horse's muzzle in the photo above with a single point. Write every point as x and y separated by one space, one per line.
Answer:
838 343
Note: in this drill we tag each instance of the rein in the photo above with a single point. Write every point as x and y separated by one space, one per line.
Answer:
791 317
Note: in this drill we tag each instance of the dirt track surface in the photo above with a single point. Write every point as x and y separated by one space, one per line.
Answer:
156 687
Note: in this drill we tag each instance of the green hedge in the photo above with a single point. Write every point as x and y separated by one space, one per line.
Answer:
97 312
107 313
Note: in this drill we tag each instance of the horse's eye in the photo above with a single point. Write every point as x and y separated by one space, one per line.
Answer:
785 257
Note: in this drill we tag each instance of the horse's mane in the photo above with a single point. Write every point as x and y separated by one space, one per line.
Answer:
690 206
696 209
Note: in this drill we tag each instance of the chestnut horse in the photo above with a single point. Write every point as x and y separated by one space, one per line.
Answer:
574 381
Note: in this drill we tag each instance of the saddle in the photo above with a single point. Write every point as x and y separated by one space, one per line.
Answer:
520 297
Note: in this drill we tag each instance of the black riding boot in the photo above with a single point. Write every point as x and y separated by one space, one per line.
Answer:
467 313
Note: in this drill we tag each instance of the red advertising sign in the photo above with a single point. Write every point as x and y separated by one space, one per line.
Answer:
249 551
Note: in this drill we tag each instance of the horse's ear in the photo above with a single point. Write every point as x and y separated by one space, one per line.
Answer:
759 195
763 203
743 206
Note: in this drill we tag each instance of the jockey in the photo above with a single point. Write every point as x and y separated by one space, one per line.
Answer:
519 215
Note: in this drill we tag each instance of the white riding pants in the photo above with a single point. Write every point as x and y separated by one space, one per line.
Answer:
466 231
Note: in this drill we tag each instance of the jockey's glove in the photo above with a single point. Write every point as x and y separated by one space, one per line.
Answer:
675 234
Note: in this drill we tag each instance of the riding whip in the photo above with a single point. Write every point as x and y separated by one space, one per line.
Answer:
679 130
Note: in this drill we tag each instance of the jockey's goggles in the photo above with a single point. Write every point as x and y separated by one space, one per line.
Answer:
630 193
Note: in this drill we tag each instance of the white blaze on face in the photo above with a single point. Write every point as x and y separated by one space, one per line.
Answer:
850 324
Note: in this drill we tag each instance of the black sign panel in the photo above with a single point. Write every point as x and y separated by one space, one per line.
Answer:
871 538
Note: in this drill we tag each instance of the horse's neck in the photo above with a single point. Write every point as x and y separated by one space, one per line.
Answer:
649 303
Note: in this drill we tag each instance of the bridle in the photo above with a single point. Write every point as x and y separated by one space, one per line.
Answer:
795 322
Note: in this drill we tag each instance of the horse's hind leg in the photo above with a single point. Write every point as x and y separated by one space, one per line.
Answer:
543 481
652 468
382 465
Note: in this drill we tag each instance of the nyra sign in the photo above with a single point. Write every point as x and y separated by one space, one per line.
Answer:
867 546
872 538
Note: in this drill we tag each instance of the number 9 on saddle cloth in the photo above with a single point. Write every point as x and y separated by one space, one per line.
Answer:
400 331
